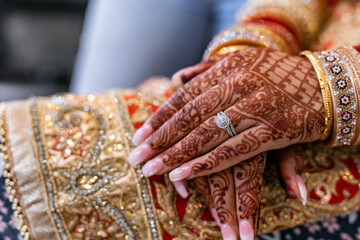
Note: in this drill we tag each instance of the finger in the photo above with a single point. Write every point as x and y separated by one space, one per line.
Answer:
223 194
290 166
185 75
243 146
183 95
203 186
216 99
195 113
229 66
181 188
248 180
201 140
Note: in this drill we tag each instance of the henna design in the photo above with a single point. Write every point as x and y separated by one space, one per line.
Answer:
220 184
249 143
203 187
286 102
189 117
248 180
200 137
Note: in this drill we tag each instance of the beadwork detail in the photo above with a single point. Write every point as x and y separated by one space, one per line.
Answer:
343 95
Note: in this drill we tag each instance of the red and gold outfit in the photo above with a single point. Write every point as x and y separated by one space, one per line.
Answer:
65 157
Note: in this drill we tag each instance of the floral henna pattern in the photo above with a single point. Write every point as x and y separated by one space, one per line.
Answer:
248 180
221 184
185 121
286 104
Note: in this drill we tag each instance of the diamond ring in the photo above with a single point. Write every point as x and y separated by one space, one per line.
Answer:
223 122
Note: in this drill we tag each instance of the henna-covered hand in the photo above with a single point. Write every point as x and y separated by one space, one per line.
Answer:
233 195
273 100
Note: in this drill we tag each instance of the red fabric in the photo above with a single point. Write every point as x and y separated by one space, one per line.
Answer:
341 185
357 48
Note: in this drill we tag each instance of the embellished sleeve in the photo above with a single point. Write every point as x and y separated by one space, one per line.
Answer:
303 19
288 26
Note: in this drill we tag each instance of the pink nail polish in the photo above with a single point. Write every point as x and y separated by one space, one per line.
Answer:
152 167
302 189
228 232
215 215
139 154
246 230
181 189
180 173
141 134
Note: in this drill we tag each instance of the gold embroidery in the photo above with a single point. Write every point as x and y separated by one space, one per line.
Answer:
191 220
98 194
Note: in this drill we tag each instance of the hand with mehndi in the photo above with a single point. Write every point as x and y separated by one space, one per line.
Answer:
233 195
272 99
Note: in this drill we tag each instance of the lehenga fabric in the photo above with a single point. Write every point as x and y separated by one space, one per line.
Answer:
68 177
66 169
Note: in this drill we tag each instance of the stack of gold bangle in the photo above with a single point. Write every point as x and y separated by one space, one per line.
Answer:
249 35
338 76
325 92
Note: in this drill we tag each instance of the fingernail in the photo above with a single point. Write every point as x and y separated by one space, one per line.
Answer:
139 155
180 173
246 230
228 232
141 134
302 189
152 167
215 215
181 189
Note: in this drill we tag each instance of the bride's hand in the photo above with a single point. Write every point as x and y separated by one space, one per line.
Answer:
273 100
233 195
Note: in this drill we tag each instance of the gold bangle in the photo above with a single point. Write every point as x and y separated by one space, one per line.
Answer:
325 92
230 49
252 34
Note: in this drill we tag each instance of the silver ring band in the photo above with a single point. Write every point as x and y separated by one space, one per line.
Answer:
224 122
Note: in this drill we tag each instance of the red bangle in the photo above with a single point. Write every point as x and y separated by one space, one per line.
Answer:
282 30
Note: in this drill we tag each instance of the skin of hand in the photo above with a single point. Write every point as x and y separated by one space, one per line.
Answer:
273 100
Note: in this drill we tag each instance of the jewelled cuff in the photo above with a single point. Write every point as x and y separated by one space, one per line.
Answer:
341 77
247 34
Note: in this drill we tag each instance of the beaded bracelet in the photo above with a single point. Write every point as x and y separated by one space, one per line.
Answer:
252 34
345 105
